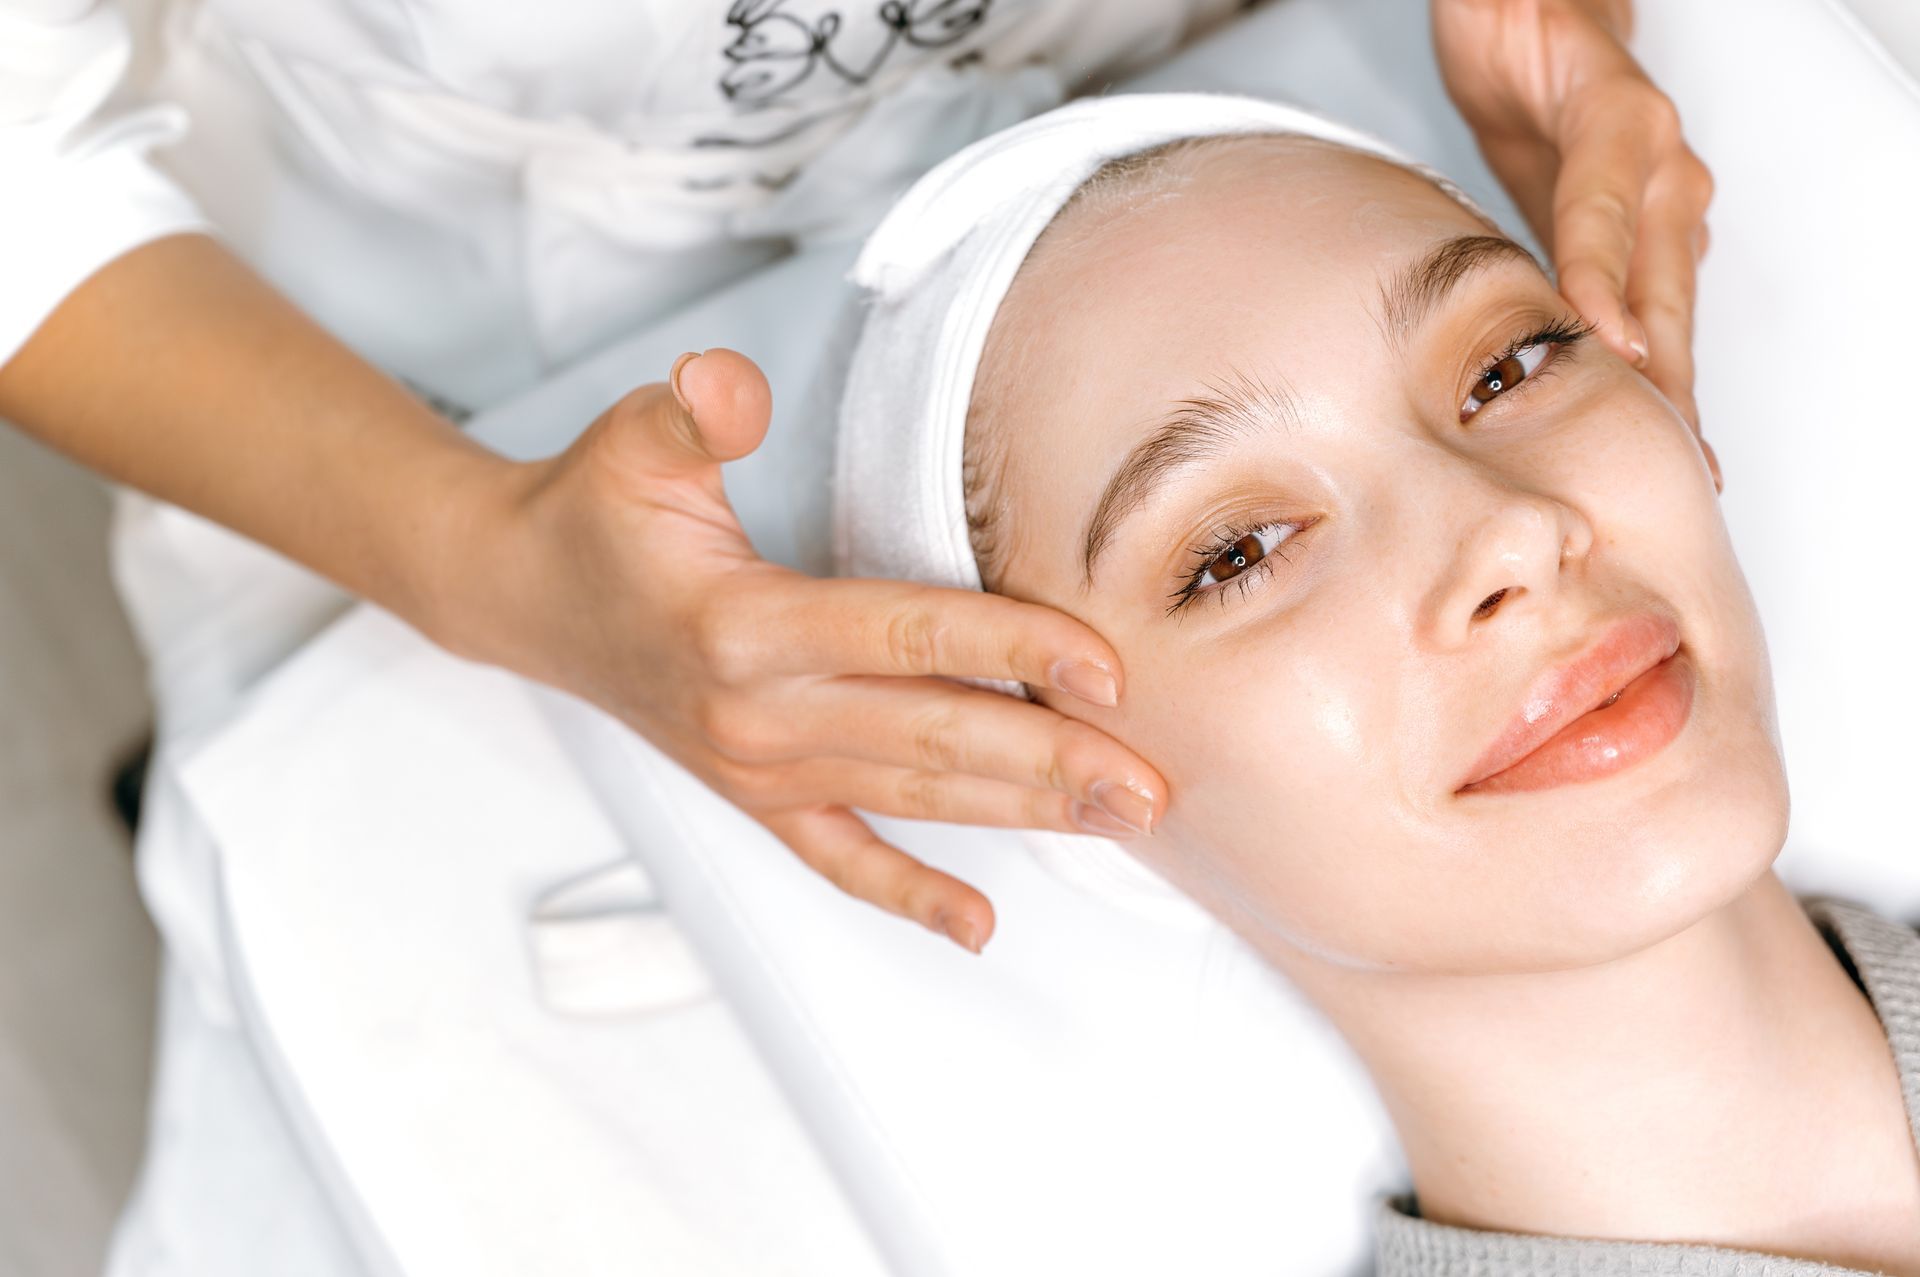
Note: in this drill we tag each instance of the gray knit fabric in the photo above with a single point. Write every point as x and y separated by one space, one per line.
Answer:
1886 955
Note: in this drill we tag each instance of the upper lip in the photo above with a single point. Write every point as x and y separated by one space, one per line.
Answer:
1624 649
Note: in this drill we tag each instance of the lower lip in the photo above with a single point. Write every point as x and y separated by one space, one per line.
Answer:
1649 714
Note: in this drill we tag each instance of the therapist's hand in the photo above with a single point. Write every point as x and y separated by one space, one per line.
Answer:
1593 156
624 577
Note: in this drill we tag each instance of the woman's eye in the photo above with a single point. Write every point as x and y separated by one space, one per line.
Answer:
1245 553
1505 375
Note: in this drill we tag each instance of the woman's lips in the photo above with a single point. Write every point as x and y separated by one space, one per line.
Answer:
1625 697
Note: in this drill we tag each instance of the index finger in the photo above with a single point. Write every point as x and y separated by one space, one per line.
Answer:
1665 276
1605 167
863 626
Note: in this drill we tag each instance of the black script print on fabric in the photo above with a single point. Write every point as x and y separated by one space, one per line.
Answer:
774 49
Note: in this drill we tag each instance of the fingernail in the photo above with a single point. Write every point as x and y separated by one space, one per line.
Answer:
1095 821
673 379
1088 681
1125 803
1636 341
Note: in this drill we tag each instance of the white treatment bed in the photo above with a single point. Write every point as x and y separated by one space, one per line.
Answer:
758 1075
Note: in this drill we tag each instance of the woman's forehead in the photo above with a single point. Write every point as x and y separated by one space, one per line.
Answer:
1263 194
1250 249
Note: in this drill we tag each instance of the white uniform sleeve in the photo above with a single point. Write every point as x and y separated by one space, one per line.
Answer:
76 190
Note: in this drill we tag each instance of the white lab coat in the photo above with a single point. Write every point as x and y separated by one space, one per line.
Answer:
471 195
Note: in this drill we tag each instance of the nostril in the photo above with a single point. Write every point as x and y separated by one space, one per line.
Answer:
1489 603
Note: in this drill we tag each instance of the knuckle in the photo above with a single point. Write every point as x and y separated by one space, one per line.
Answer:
749 785
1697 180
630 412
846 861
726 648
1053 771
1590 281
938 741
1075 752
740 729
1610 209
1052 811
915 636
1640 100
835 863
827 857
624 429
1017 658
1662 116
731 780
884 880
918 903
1668 312
924 794
1597 268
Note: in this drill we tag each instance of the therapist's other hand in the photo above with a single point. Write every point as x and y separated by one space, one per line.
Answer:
1593 156
626 578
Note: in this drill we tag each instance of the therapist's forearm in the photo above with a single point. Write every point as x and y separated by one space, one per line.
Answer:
176 370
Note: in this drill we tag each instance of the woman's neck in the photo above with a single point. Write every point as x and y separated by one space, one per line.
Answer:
1730 1085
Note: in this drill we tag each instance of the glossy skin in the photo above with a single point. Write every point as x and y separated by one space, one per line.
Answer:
1314 722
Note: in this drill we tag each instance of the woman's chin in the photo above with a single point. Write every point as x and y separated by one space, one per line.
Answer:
1586 885
1632 876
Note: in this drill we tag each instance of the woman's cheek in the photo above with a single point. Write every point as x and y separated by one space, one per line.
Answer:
1282 755
1284 739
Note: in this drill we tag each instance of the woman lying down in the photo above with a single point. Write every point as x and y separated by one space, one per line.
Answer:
1432 623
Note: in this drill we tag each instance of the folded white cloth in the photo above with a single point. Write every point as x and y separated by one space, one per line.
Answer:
934 272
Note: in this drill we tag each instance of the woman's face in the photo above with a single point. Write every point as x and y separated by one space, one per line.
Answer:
1360 582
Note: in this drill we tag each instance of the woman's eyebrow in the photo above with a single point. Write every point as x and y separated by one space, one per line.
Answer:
1414 293
1196 430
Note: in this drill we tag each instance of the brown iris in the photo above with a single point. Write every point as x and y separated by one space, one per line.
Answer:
1239 556
1502 376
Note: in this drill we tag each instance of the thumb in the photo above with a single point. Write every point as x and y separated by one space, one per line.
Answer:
726 397
713 408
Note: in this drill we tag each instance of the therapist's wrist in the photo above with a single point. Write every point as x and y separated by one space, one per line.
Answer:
464 584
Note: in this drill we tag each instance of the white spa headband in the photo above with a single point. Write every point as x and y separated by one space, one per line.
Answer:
933 273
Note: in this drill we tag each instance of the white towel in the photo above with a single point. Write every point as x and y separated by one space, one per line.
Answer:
933 274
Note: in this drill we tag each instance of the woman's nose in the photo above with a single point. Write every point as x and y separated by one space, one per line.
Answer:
1516 545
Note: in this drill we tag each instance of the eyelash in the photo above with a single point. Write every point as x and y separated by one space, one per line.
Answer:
1222 540
1563 334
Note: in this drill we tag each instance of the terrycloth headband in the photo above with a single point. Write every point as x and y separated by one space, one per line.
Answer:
934 272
